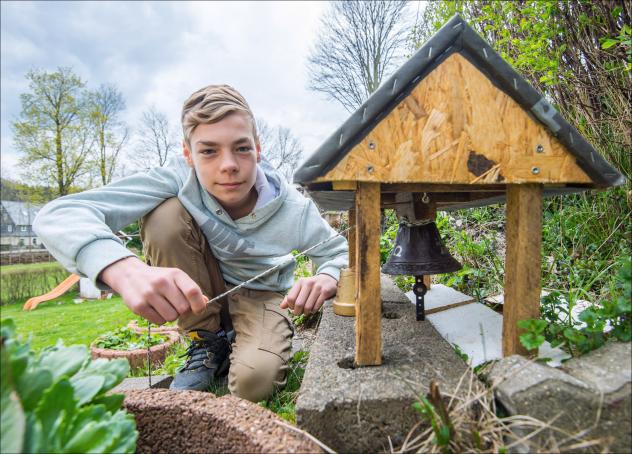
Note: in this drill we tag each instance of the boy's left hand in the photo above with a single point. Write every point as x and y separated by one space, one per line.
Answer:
309 293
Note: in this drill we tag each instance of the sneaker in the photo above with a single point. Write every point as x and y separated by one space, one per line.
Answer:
208 359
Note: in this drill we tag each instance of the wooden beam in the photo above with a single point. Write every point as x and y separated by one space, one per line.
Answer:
368 325
433 187
522 262
344 185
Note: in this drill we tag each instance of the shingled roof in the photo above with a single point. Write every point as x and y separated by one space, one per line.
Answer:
456 36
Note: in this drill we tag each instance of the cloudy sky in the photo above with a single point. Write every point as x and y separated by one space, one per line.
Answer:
159 52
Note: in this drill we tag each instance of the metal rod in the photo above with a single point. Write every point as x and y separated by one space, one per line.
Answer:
274 268
149 352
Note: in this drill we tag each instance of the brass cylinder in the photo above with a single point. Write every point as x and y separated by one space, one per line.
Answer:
344 304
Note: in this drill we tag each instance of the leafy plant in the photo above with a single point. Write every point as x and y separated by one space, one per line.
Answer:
57 401
588 332
126 339
434 411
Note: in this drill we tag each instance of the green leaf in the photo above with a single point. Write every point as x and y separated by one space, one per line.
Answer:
61 360
125 436
92 437
87 387
34 439
32 385
608 43
531 341
55 411
112 402
12 419
114 372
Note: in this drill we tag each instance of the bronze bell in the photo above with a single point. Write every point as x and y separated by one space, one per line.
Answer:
419 251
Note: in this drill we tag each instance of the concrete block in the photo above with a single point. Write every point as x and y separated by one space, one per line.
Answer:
390 292
357 409
591 393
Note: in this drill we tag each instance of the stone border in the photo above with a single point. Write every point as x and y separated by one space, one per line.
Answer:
133 325
191 421
136 358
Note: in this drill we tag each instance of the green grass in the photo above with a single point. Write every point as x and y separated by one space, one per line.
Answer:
29 266
65 320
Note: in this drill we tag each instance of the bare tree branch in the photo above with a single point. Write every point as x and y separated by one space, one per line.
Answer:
156 141
280 147
358 45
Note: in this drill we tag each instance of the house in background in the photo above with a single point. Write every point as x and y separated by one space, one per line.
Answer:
16 226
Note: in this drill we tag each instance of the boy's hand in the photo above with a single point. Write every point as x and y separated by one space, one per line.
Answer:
157 294
308 294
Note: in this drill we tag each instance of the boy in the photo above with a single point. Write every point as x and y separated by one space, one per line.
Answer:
211 219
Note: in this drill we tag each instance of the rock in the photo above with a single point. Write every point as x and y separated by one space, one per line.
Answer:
591 393
192 421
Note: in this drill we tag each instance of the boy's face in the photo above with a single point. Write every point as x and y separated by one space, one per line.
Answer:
224 156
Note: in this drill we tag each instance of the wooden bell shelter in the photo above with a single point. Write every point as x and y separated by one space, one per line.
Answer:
457 126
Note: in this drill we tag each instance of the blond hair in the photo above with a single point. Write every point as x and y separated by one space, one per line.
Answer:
210 105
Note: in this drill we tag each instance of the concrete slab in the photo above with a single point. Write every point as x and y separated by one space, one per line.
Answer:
338 402
477 330
441 297
138 383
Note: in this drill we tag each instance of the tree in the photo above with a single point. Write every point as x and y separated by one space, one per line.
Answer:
280 147
156 140
104 109
52 130
358 45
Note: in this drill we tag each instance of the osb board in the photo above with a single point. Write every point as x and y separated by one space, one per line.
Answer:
456 127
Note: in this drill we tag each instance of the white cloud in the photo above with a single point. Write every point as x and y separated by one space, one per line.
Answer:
158 53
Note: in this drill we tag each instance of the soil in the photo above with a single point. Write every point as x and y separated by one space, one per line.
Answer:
190 421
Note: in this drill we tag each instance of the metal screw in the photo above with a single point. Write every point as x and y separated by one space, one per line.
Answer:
371 145
535 170
369 169
539 149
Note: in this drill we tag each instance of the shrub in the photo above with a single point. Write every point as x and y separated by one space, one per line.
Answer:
57 401
21 282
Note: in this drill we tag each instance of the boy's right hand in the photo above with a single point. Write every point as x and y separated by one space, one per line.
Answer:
157 294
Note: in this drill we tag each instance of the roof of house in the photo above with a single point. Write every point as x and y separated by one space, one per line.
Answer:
456 36
21 213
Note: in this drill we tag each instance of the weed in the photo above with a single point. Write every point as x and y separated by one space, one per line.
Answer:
283 402
594 325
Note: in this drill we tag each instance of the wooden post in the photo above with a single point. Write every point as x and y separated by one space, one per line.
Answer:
368 325
522 262
352 238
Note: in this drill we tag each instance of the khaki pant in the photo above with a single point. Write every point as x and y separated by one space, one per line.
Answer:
259 357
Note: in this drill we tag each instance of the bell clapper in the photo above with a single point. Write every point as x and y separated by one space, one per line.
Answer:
420 290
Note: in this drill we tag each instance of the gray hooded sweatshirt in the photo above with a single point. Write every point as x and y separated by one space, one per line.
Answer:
78 229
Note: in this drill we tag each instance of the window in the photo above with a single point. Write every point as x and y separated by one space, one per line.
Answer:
24 228
9 228
34 240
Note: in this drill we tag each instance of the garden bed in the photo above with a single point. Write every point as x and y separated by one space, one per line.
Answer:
126 343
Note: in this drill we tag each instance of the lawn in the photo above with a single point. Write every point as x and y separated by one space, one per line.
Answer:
30 266
63 319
